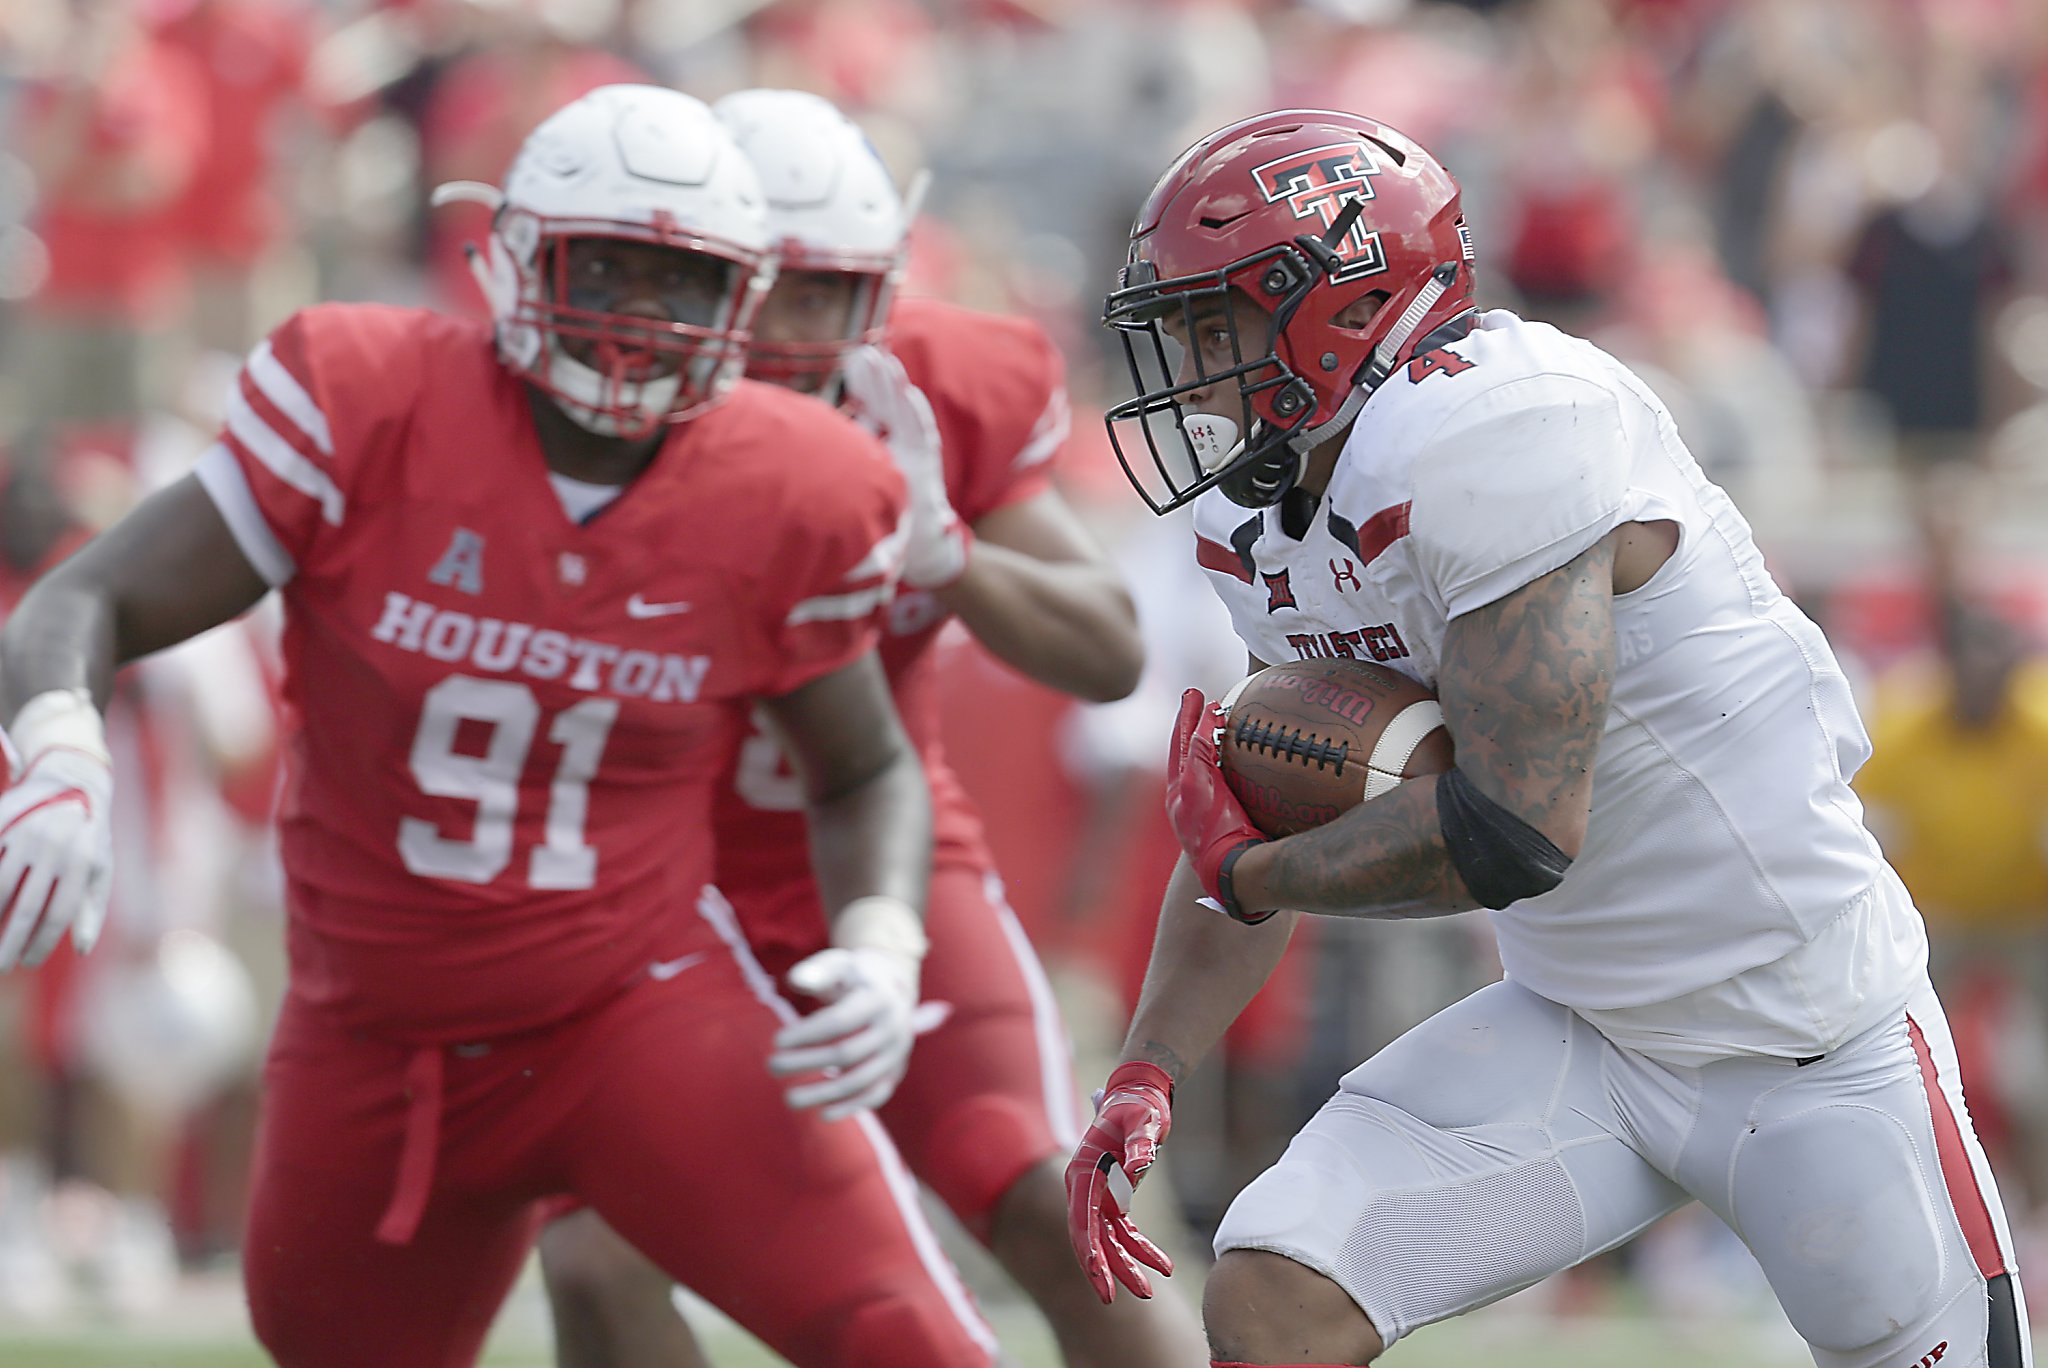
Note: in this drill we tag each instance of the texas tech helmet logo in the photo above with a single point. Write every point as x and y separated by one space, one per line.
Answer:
1315 185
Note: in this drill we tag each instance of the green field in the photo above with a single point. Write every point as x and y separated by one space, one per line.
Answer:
206 1328
1526 1342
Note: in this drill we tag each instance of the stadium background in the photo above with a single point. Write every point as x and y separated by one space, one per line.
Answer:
1814 225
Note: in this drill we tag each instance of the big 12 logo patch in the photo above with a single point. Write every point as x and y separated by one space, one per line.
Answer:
1315 185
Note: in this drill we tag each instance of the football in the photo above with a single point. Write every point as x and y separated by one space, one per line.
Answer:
1307 740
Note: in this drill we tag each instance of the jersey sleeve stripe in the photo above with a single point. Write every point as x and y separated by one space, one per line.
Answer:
220 475
885 557
283 389
1383 529
281 458
1048 434
1220 558
841 607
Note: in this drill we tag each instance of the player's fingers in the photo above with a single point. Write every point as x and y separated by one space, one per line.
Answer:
842 1053
66 897
914 400
866 380
870 1099
861 367
890 368
1130 1238
15 920
1207 735
1119 1260
1084 1227
92 918
830 1093
847 1084
856 1011
35 907
826 975
881 373
80 894
1190 716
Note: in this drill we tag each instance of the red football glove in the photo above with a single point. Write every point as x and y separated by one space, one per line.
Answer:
1130 1122
1206 815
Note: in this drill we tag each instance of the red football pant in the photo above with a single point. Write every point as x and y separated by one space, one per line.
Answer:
990 1092
657 1110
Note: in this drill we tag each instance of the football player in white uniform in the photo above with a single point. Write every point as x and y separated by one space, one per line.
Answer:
1715 986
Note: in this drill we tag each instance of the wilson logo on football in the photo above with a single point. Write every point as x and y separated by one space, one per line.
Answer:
1315 185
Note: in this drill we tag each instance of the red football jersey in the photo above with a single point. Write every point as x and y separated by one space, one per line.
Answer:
997 387
505 727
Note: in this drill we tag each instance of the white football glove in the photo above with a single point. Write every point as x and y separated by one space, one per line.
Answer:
897 412
860 1039
56 839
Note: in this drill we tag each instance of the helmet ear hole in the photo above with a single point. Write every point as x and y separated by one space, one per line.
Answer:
1358 315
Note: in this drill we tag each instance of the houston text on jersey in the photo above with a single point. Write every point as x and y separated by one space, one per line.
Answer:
518 647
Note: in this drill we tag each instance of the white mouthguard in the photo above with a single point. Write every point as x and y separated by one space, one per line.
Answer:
1214 439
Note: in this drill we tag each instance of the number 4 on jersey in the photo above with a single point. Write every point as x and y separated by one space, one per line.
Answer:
1442 361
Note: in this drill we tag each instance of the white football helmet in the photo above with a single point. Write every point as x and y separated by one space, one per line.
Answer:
642 164
831 207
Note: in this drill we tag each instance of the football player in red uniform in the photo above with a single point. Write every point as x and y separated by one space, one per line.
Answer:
974 407
535 576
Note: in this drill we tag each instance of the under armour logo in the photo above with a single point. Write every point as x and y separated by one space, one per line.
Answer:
572 568
1279 594
462 565
1346 575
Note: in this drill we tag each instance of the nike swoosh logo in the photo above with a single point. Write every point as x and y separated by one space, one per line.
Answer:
637 607
661 971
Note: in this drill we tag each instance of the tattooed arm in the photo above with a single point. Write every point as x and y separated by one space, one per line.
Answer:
1524 683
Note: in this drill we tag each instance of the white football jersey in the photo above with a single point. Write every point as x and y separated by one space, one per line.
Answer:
1728 899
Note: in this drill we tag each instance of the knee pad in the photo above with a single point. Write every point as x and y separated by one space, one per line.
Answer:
1853 1219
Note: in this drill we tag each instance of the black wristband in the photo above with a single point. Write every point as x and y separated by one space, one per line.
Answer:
1226 893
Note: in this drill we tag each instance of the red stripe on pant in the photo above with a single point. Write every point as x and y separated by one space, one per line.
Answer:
1957 1173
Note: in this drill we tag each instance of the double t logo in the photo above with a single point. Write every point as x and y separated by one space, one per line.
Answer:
1315 185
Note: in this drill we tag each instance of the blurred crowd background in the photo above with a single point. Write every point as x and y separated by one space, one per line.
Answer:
1816 226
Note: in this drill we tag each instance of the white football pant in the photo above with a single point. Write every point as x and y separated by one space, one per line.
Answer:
1505 1139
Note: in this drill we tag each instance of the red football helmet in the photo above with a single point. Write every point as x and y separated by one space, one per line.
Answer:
1301 212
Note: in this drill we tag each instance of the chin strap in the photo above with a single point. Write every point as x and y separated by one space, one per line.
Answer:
1388 353
1302 443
